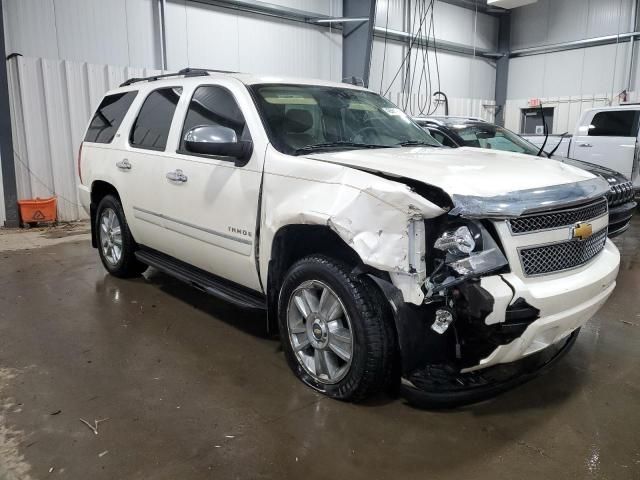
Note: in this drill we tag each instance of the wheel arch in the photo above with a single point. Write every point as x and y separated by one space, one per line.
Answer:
99 190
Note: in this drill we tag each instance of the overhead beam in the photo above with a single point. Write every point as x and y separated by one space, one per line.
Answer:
268 9
443 45
9 186
575 44
357 40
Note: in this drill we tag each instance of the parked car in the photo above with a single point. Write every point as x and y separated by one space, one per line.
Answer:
376 253
473 132
606 136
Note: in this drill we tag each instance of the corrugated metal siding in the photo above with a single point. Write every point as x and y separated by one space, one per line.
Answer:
51 103
554 21
200 35
584 72
469 82
118 32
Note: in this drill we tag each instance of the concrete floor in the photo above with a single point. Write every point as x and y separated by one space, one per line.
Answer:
192 389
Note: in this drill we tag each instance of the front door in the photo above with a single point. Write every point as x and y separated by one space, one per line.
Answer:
211 203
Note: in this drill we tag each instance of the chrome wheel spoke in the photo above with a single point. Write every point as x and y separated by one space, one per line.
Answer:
306 302
340 343
320 361
329 306
303 343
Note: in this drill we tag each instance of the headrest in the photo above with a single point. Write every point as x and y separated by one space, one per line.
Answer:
297 121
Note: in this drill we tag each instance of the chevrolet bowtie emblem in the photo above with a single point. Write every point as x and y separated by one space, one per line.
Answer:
582 231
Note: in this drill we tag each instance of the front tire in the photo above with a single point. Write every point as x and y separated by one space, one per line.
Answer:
336 329
115 242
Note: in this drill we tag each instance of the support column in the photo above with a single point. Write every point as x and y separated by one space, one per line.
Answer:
6 141
357 39
502 66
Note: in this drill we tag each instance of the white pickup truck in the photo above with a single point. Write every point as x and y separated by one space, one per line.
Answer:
382 258
606 136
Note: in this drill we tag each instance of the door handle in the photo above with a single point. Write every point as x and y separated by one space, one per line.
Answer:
123 164
177 176
585 145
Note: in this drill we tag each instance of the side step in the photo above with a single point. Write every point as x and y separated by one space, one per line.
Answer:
205 281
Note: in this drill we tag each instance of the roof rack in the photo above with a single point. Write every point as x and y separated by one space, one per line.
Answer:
185 72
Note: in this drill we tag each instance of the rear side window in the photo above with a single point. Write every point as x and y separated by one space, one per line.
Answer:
621 123
151 128
108 117
214 105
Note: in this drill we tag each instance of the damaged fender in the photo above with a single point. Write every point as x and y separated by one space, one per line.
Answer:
382 220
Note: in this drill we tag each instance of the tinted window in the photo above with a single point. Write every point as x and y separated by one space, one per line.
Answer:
305 118
442 138
213 105
151 128
108 117
614 124
489 136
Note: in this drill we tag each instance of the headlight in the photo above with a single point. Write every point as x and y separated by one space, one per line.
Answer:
470 251
457 242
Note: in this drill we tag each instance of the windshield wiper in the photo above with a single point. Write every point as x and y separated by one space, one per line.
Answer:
410 143
329 145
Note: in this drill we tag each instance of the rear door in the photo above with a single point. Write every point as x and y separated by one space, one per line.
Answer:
142 164
608 138
211 203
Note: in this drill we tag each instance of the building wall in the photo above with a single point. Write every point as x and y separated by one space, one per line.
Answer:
200 35
573 80
468 82
75 50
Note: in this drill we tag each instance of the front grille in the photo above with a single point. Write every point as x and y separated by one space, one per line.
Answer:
621 193
558 218
561 256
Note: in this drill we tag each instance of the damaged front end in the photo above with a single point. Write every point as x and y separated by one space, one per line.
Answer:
465 341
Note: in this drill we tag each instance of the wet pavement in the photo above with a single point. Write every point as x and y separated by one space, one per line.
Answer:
191 388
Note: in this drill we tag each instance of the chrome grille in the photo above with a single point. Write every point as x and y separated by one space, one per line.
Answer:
558 218
561 256
621 193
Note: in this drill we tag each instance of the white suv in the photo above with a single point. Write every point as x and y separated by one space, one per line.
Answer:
380 257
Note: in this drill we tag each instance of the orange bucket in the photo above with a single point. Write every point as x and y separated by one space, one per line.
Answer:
37 210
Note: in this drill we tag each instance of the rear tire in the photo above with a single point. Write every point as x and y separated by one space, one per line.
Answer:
336 329
115 242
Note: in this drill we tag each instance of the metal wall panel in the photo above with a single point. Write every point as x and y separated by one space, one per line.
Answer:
554 21
119 32
200 35
586 72
53 100
29 27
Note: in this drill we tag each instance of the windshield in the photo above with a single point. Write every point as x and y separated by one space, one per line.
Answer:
308 118
492 136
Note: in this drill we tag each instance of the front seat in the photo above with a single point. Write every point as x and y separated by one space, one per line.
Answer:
296 123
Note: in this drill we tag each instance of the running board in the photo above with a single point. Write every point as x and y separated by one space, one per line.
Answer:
205 281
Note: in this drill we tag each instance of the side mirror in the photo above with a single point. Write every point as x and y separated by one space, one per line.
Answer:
217 140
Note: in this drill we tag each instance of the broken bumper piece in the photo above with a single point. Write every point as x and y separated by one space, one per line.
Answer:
437 386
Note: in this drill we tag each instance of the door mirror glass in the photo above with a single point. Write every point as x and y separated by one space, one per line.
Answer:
217 140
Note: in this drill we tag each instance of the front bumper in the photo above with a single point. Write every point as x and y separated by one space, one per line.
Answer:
620 217
566 301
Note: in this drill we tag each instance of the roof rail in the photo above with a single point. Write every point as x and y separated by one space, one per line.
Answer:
185 72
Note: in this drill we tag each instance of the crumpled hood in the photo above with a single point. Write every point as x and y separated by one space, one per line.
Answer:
481 183
463 171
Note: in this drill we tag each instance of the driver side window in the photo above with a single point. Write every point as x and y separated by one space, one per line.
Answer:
214 105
